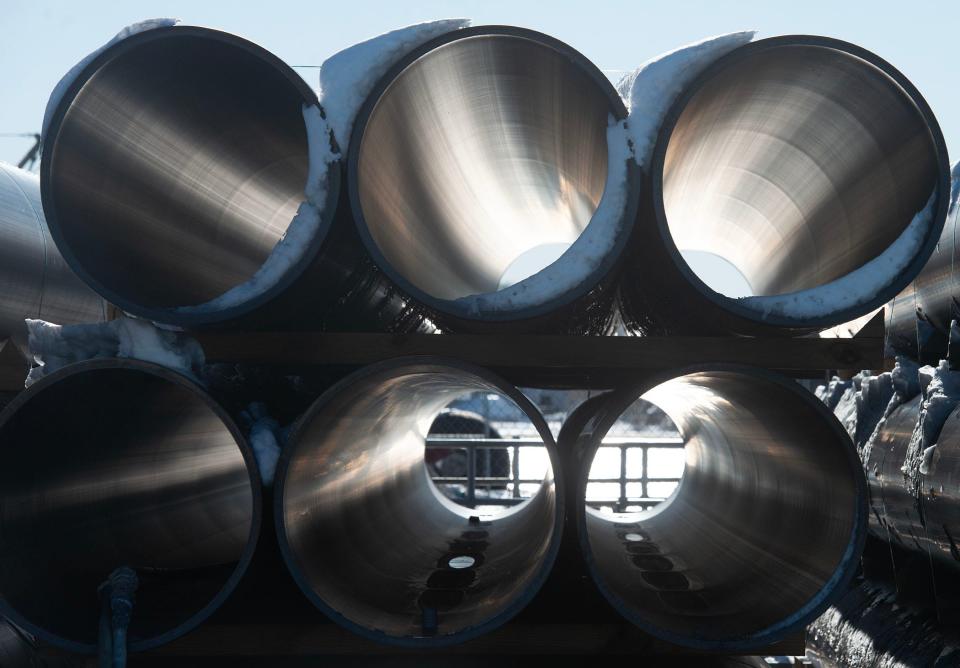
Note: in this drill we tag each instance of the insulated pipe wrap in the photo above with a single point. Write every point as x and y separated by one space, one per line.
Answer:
112 463
369 538
773 498
798 160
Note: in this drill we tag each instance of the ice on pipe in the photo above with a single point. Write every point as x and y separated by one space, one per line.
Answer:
584 254
53 347
347 78
266 437
651 89
61 88
941 395
859 286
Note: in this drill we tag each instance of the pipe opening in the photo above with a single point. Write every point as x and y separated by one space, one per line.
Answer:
177 167
483 453
481 162
109 464
371 540
797 164
770 501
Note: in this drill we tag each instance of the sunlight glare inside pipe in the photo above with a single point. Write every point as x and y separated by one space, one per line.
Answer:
479 153
797 164
369 537
767 502
177 168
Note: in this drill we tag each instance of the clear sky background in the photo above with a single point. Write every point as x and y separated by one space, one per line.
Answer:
40 41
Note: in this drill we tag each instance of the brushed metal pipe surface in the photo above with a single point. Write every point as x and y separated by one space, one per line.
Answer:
35 282
175 163
772 500
482 152
369 538
797 159
113 463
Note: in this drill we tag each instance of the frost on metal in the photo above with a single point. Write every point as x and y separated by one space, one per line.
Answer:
266 439
347 78
859 286
583 256
941 395
52 347
651 89
61 88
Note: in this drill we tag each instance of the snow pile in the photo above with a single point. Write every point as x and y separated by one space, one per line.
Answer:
859 286
846 407
347 78
266 439
71 75
54 346
941 395
651 89
584 255
831 393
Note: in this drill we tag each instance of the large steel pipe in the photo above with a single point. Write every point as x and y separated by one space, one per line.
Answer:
34 280
490 180
798 160
765 528
113 463
173 165
369 538
927 521
918 321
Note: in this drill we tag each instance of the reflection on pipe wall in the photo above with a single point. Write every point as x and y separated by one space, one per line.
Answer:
773 499
114 463
928 522
34 280
173 166
798 160
479 159
370 539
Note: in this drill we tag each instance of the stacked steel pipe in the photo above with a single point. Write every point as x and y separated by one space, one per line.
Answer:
180 164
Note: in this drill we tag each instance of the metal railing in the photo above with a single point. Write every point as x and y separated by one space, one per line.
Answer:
471 481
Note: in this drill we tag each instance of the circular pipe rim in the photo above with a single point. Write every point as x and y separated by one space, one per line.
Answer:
617 108
731 304
194 318
625 396
517 604
253 472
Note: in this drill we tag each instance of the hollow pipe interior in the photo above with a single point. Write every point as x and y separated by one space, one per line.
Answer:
764 524
110 464
177 166
482 160
797 164
368 536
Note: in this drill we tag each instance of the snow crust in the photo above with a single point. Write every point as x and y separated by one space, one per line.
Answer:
855 288
941 395
55 346
651 89
347 78
71 75
266 438
583 256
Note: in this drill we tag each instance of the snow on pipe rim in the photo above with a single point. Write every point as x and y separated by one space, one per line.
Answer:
609 408
596 250
305 234
553 489
175 378
776 310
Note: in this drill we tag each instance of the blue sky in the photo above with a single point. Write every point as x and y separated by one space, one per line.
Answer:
39 41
